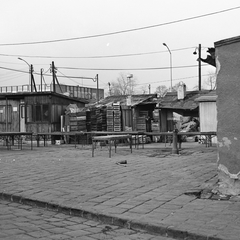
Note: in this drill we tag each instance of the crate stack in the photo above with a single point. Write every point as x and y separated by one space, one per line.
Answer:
141 124
104 119
141 121
99 120
88 121
110 123
77 121
93 118
117 117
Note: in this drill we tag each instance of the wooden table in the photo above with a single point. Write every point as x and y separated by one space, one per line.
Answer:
110 139
132 133
46 135
9 138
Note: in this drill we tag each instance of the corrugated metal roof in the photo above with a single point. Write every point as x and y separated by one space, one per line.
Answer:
171 101
122 99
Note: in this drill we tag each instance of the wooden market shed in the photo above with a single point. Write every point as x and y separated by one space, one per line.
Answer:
34 111
135 110
185 105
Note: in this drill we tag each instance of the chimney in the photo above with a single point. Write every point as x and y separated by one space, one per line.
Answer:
181 93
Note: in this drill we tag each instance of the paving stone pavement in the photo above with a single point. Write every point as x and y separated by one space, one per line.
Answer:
19 221
147 193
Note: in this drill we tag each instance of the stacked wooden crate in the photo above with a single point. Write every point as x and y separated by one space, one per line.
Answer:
110 122
141 124
117 117
93 118
114 123
77 121
88 121
104 119
141 121
99 119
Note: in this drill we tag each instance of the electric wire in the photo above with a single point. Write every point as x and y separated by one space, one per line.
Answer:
129 69
121 31
92 57
175 79
103 69
74 80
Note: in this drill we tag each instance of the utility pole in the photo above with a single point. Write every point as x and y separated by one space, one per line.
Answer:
32 79
199 68
41 78
54 70
53 76
97 88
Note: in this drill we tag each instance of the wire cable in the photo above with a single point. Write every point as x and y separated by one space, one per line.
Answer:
103 56
175 79
129 69
121 31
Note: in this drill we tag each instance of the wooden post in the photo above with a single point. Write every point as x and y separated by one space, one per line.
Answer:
174 144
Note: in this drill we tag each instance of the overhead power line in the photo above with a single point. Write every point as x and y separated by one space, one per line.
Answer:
128 69
104 69
36 73
121 31
175 79
99 56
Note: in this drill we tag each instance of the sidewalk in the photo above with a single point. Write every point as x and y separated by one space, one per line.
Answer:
147 193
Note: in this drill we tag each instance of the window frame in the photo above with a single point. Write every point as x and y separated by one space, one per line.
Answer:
3 113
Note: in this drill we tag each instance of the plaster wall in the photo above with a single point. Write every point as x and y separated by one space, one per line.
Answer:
228 115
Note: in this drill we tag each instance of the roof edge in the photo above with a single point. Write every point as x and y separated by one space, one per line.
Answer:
227 41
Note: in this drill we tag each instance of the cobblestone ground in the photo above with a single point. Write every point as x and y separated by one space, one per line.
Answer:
153 189
19 221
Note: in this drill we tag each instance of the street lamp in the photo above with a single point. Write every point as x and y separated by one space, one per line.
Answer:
129 76
30 71
96 80
199 66
164 44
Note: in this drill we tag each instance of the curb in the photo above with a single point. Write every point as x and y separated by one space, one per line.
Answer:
166 231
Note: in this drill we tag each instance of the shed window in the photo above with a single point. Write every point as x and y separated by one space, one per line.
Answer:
29 113
37 113
6 114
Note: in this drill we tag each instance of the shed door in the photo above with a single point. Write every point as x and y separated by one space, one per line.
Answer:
22 118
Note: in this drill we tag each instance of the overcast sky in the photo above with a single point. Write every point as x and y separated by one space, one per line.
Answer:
28 21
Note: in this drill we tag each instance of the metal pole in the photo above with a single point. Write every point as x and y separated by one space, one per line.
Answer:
97 88
30 70
53 76
41 78
199 68
170 63
31 74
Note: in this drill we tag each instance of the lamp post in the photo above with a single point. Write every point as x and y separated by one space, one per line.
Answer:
129 76
30 72
96 80
164 44
199 67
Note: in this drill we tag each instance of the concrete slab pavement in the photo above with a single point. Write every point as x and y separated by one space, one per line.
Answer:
147 193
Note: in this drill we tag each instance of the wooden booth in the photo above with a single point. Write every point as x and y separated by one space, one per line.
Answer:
34 111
